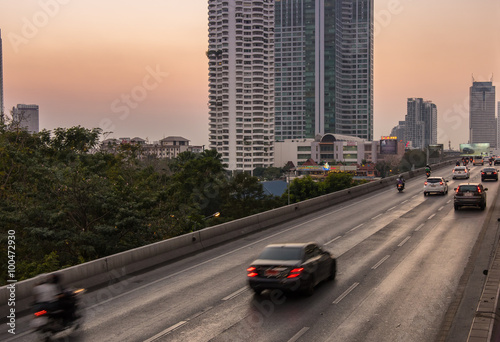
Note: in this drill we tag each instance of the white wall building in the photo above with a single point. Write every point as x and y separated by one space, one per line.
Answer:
26 117
241 82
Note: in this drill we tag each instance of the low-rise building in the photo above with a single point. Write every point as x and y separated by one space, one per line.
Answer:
169 147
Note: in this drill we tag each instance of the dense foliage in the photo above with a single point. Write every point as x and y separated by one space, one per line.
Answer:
306 187
69 203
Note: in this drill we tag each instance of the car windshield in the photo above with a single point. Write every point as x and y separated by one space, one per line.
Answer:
281 253
459 168
465 188
490 169
434 180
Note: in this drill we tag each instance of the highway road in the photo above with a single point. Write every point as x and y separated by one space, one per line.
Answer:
404 261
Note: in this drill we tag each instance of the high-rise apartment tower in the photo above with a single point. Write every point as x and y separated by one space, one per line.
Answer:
241 82
324 68
26 117
420 123
482 121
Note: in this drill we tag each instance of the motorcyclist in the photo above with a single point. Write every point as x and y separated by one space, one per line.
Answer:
400 180
427 168
66 301
457 163
46 294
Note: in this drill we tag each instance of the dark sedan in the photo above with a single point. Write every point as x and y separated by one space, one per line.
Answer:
291 267
489 173
470 194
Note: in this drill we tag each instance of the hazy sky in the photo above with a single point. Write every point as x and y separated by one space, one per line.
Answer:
138 68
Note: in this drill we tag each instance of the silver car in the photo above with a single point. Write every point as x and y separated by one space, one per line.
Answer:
461 172
435 185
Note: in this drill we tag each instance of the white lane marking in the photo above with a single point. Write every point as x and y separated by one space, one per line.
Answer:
199 313
415 196
391 208
404 201
166 331
236 293
418 228
329 242
374 267
440 209
374 217
299 334
346 292
431 216
448 201
353 229
404 241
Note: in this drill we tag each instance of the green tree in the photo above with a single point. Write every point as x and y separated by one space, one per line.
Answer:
302 189
336 181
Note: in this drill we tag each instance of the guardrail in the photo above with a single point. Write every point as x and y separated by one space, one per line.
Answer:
110 269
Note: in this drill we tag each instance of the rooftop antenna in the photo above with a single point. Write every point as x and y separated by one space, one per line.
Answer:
491 79
472 78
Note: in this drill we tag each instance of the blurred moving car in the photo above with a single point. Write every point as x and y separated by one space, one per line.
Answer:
497 161
291 267
470 194
489 173
437 185
460 172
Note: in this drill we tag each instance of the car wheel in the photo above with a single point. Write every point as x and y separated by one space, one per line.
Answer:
257 291
483 205
333 270
456 207
425 193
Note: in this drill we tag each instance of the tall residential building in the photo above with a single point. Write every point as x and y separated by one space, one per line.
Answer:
420 123
26 117
1 82
482 122
241 82
429 117
324 68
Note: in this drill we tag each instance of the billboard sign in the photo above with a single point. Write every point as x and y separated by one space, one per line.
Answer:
475 149
389 146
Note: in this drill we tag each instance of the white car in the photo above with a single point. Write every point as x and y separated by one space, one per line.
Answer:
436 185
461 172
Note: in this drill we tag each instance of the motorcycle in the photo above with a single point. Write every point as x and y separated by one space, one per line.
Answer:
428 174
49 323
401 186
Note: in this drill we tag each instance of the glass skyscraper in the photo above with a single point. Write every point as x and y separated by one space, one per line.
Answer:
324 68
482 121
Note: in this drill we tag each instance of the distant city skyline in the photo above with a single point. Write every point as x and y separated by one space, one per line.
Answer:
142 70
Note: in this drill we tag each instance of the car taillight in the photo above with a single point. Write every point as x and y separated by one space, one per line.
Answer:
425 183
479 189
251 272
482 173
440 183
295 272
40 313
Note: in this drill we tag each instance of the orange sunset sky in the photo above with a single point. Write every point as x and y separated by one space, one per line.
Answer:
79 59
